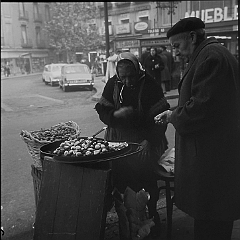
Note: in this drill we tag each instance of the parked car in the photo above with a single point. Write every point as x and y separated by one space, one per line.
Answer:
52 73
76 75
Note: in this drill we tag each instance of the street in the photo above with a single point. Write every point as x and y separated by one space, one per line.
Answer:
28 104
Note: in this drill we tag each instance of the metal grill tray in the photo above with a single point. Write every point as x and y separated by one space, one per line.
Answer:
47 150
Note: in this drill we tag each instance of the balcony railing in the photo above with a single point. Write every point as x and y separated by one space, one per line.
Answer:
24 16
38 18
27 44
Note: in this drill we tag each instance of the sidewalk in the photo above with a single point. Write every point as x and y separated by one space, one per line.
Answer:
19 75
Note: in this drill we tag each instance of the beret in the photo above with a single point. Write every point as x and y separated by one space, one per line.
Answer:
185 25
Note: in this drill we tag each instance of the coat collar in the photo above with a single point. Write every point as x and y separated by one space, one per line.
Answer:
194 56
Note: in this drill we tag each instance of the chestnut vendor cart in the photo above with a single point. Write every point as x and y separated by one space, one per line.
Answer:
73 195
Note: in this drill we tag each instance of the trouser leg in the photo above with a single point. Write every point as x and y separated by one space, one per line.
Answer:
212 229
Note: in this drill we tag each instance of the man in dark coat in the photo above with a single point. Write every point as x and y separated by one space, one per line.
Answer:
207 123
144 55
153 65
170 64
128 105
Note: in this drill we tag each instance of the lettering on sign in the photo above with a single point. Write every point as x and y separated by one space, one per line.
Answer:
123 28
140 26
215 14
125 10
155 42
126 44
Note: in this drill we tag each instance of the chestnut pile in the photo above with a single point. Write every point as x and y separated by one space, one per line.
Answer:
76 147
54 134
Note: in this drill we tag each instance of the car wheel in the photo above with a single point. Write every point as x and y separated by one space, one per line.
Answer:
91 87
43 79
46 82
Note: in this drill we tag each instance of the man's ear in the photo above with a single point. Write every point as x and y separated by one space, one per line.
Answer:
193 36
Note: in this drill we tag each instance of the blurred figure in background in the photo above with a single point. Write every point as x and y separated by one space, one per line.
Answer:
165 74
144 55
111 64
154 65
85 61
170 65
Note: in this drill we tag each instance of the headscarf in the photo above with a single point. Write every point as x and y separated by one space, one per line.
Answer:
141 73
132 58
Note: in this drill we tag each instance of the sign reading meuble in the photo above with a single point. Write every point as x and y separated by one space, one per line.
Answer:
215 14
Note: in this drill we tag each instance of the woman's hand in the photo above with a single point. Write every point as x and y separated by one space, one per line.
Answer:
123 112
163 118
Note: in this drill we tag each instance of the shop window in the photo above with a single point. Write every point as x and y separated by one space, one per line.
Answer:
38 35
124 21
143 19
24 34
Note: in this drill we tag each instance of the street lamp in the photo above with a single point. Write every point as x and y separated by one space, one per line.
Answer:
170 6
106 28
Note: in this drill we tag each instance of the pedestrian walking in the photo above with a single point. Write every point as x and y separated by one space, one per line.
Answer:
207 140
153 65
127 106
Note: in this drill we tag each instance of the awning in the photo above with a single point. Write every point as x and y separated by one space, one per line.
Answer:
40 55
10 54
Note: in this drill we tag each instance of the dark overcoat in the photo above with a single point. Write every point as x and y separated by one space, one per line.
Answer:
207 165
149 65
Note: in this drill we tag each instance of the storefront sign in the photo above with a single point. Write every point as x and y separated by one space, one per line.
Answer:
127 44
123 28
155 42
126 10
141 27
215 14
156 30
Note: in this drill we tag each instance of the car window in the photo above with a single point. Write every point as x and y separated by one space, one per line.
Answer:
77 69
46 68
56 68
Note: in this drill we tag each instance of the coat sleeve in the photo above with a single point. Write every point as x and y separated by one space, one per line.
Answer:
208 98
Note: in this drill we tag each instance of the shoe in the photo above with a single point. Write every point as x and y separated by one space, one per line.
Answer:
156 230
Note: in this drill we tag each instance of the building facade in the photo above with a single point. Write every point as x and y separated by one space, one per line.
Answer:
24 46
134 26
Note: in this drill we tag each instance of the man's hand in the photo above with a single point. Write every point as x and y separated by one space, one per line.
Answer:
123 112
163 118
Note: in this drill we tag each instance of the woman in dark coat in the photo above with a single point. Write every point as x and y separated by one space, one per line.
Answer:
207 165
153 65
128 105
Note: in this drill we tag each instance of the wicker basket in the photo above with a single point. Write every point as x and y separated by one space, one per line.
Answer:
34 144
